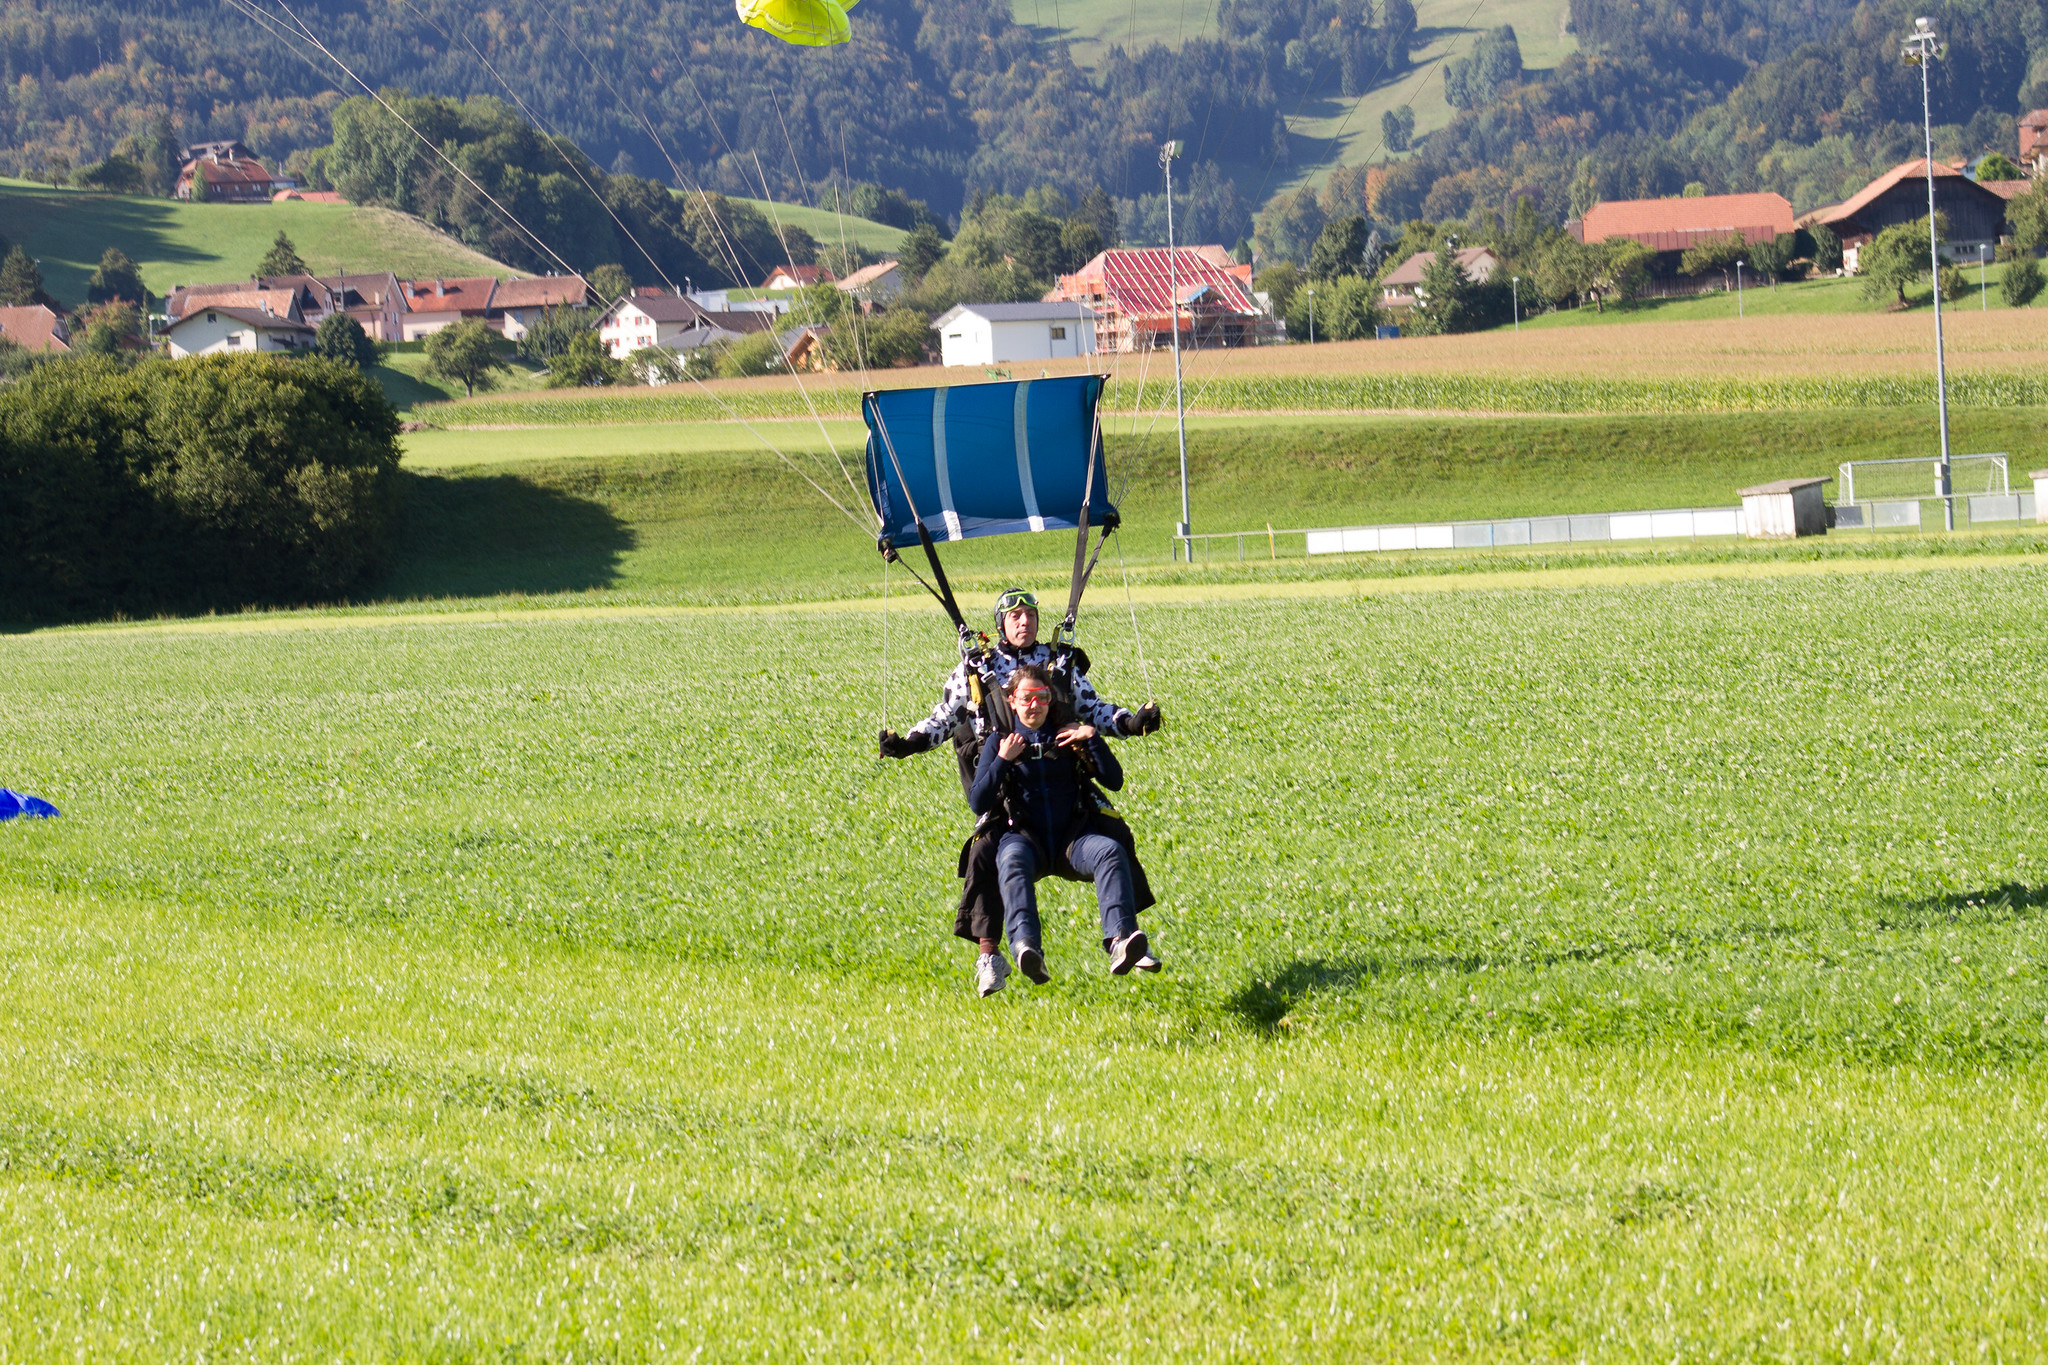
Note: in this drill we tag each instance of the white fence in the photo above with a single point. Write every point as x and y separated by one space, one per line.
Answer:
1687 523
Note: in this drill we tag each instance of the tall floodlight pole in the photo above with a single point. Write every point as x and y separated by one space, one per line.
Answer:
1921 50
1167 152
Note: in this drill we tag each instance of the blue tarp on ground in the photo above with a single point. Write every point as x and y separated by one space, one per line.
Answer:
985 459
15 803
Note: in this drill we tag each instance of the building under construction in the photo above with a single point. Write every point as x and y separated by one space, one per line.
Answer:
1140 293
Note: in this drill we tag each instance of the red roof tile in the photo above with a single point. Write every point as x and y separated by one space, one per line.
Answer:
544 291
33 327
1675 224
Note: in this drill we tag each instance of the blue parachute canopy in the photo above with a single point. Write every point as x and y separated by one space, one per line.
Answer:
19 803
985 459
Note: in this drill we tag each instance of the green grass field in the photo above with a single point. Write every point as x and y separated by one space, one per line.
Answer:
1597 955
1598 973
178 243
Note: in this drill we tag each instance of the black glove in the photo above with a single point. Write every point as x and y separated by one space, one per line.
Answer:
897 746
1143 721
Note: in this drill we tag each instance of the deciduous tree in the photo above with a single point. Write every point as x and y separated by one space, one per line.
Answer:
467 351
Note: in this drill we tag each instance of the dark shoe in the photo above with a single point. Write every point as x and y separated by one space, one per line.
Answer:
1031 962
1125 953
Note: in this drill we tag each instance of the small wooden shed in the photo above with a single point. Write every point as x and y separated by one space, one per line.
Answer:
1782 510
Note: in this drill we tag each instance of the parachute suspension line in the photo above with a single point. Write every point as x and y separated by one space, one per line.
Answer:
514 221
553 135
732 258
885 642
944 592
506 213
839 210
812 320
1131 603
1078 582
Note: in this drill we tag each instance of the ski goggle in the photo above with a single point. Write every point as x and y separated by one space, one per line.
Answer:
1014 599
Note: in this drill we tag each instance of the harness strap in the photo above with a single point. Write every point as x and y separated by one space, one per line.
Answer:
1078 581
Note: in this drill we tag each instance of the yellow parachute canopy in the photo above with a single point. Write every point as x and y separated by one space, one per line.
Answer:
813 23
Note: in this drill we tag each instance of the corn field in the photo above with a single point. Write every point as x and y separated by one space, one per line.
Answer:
1437 392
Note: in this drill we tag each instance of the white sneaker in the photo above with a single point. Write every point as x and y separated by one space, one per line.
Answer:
1126 952
1147 963
991 973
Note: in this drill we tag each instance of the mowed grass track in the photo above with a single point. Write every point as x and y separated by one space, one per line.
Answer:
1605 974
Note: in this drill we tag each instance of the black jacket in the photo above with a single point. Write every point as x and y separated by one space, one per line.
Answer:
1007 796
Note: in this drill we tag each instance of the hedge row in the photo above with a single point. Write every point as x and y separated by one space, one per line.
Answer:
190 485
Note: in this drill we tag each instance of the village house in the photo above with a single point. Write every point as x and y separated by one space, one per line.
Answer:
1130 295
214 329
879 283
518 303
34 327
650 318
2033 128
1402 286
230 173
796 277
375 301
997 333
431 305
1976 213
1671 227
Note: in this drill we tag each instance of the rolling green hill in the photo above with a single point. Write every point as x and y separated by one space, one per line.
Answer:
825 225
1325 131
178 243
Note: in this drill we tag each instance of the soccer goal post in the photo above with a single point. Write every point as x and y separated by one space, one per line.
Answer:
1919 476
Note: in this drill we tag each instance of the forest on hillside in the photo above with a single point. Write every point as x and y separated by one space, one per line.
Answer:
942 102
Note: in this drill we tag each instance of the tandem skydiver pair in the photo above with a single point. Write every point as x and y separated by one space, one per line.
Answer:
1029 733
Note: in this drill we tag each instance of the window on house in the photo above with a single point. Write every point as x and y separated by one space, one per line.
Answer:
1059 334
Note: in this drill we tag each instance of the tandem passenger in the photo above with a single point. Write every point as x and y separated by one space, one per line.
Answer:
1038 792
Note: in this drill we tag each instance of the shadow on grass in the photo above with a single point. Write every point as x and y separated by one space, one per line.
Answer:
2004 904
482 535
1264 1002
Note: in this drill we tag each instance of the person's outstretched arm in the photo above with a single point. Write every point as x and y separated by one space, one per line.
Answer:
954 700
1106 716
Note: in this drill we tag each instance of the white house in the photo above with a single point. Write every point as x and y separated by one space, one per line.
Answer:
673 323
640 320
994 333
234 331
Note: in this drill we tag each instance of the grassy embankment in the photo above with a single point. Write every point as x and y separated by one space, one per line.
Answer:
1616 973
673 504
656 513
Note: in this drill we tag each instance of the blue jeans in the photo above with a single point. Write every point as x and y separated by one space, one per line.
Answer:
1096 856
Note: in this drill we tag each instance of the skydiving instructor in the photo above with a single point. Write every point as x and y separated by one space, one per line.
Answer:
988 671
